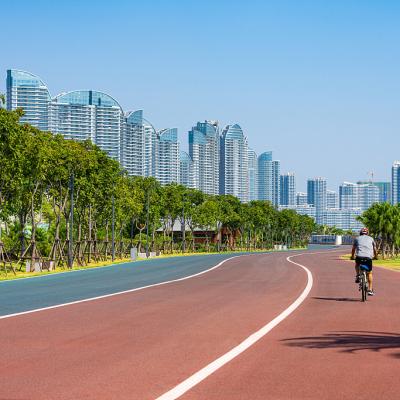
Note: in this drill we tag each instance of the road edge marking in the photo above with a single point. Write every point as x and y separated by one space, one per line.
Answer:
125 291
209 369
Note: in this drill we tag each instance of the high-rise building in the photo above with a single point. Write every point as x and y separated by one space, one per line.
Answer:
301 199
276 182
151 149
385 192
185 170
253 175
234 173
204 151
348 196
396 182
345 219
265 176
332 199
133 144
288 190
27 91
368 195
358 196
88 114
342 219
168 157
269 172
316 196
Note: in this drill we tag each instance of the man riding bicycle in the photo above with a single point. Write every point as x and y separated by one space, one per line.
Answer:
364 250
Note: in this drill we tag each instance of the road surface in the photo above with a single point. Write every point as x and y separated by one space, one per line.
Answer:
144 344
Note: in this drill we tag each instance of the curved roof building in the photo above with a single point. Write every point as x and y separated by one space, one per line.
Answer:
29 92
133 144
234 179
185 169
168 156
204 151
268 178
88 114
253 175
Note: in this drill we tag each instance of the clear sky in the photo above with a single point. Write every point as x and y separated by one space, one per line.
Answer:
316 82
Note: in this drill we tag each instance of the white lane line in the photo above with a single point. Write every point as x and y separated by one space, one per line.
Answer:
124 291
205 372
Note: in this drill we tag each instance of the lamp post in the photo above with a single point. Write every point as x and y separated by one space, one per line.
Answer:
121 173
183 227
71 224
147 221
113 226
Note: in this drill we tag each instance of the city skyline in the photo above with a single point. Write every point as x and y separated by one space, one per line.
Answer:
325 73
144 151
181 136
219 162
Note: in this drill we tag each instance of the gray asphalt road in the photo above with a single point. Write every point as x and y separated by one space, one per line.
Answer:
29 294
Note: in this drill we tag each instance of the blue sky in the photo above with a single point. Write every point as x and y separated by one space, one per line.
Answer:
316 82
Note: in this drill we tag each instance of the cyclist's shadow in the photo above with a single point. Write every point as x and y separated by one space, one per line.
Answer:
350 341
336 298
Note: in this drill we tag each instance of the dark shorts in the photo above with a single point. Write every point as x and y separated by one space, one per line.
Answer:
364 261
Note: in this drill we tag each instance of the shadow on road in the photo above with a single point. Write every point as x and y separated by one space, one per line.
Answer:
336 298
350 341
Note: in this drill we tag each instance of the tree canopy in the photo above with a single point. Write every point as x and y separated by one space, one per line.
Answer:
45 180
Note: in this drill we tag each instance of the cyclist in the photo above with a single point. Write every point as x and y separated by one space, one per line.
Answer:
364 250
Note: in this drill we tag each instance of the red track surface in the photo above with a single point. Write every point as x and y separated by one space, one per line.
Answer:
140 345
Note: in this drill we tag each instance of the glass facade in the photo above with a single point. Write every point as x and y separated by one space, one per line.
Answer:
269 178
316 196
253 175
204 151
385 190
27 91
342 219
332 199
265 176
234 174
185 170
288 190
168 157
88 114
357 195
133 144
396 182
301 199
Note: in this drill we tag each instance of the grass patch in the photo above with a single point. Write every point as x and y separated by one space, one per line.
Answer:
390 263
23 274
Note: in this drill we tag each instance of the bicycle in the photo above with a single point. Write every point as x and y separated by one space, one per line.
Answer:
363 284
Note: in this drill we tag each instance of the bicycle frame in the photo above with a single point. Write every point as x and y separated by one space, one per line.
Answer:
363 286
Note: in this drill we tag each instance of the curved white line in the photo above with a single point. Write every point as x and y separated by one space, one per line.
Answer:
124 291
197 377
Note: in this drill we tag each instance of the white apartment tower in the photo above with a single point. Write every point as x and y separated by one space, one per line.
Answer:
396 182
168 156
204 152
234 174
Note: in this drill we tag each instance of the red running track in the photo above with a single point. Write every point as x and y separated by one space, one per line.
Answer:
140 345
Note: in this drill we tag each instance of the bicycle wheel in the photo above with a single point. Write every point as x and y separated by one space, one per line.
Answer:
363 283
